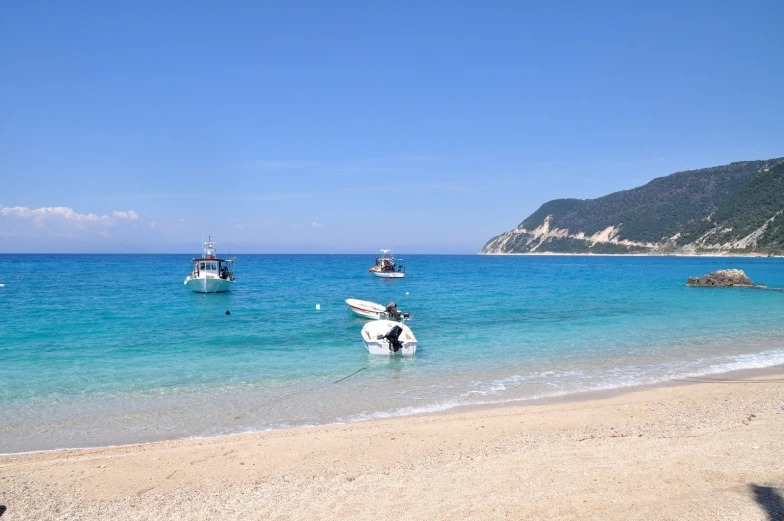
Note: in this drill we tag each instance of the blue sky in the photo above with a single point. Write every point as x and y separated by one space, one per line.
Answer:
331 127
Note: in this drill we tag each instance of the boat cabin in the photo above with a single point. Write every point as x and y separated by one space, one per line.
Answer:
386 263
213 267
210 266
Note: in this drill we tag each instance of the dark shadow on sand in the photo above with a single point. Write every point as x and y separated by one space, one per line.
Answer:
770 500
2 510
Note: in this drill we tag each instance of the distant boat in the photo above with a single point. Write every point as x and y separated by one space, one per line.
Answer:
385 267
384 337
367 309
211 274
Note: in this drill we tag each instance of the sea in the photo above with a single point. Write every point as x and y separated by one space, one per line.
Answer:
103 350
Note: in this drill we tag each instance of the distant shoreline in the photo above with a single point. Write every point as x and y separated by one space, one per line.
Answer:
533 254
553 254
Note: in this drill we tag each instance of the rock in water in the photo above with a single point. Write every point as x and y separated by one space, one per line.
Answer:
722 279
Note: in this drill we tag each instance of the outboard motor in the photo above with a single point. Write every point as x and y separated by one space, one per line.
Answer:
393 336
392 311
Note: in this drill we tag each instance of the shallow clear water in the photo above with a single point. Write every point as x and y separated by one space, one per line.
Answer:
113 349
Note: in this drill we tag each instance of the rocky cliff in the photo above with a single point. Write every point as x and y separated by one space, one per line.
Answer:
736 208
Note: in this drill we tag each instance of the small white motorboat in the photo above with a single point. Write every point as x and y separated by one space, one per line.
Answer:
211 274
367 309
385 337
385 267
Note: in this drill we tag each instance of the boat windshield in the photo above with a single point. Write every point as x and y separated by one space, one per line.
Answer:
386 263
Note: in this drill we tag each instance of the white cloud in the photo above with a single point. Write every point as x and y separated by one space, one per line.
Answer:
59 221
317 225
42 215
129 215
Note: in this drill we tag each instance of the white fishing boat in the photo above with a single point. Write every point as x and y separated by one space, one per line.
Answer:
211 274
386 267
367 309
385 337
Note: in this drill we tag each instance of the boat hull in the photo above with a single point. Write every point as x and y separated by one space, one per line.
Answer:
367 309
364 313
381 346
210 285
389 274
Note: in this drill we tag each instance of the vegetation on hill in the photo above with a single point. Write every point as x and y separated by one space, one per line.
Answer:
747 210
726 202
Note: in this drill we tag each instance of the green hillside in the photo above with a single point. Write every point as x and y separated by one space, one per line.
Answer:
707 207
747 210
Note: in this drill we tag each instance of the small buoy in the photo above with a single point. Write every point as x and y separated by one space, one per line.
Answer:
228 312
406 293
389 279
318 307
185 283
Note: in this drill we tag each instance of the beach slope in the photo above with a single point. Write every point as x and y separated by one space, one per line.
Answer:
702 451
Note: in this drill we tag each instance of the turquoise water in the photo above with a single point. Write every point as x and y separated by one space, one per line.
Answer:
111 349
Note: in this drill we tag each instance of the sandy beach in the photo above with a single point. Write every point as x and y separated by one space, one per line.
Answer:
695 451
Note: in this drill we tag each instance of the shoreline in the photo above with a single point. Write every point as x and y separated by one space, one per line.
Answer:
708 255
603 394
681 451
568 398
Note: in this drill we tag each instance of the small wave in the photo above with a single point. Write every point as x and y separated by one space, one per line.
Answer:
430 398
574 382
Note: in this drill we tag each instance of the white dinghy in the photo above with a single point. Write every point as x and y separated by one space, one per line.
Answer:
367 309
385 337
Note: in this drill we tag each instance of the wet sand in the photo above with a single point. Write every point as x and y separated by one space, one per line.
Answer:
701 451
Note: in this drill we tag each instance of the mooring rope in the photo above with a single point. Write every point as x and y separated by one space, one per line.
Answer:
349 376
89 452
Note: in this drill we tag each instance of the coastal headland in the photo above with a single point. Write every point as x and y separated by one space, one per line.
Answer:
709 450
733 209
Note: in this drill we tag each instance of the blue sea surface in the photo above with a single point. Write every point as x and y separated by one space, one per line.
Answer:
113 349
